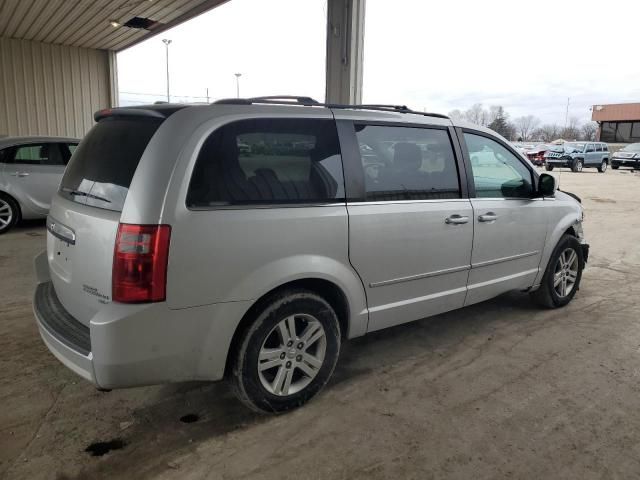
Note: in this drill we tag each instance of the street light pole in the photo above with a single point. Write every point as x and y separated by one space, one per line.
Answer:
238 75
167 42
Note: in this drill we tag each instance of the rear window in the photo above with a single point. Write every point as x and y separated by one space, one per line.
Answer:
102 166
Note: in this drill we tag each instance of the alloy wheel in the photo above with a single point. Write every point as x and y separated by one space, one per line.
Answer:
292 354
566 272
6 214
604 167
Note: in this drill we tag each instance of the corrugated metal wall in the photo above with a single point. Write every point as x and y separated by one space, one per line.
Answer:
51 89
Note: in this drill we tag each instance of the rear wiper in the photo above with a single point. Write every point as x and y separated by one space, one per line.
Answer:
78 193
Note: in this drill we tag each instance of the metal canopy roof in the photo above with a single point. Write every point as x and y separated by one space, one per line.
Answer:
86 23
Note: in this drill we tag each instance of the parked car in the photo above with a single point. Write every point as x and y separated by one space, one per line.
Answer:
536 154
578 155
628 156
30 172
172 256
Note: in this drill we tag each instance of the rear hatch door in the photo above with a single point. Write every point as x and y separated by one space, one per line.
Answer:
85 213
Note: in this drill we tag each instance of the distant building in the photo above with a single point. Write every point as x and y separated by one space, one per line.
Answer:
617 122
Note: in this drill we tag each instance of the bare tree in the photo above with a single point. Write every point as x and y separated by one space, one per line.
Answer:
548 132
477 114
526 125
589 130
456 115
572 130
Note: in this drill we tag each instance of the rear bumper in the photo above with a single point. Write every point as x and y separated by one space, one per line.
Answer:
66 338
129 345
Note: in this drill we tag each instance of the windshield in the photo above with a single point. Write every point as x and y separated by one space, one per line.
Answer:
573 147
634 147
102 167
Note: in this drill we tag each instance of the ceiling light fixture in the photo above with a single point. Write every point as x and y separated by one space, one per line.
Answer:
114 23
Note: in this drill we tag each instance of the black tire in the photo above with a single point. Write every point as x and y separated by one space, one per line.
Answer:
615 167
546 295
548 167
577 166
245 378
603 166
9 207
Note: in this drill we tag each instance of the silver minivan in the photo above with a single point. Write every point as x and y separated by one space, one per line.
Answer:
30 172
248 239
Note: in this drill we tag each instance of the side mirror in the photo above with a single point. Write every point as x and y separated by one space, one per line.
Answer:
547 185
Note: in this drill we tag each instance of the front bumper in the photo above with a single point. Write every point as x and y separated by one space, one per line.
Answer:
559 162
625 162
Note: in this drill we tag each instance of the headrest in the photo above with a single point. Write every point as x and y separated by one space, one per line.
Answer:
407 156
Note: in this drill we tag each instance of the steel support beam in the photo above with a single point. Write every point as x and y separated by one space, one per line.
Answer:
345 45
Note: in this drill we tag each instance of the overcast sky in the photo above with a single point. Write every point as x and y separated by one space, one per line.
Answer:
527 56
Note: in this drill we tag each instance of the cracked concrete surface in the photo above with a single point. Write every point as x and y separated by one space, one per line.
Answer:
498 390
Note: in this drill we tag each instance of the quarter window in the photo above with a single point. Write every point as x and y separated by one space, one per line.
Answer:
598 147
497 173
405 163
268 161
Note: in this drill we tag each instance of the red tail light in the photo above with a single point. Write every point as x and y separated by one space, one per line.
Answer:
140 263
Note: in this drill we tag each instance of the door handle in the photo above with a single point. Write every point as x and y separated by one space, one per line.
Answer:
456 220
19 174
488 217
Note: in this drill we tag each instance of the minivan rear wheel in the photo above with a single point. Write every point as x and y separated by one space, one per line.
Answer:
288 353
9 213
562 277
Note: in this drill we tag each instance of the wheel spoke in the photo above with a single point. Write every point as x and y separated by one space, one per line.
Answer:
311 360
4 222
308 370
269 354
572 257
557 278
278 381
269 364
291 326
312 328
572 275
4 208
314 338
564 287
284 332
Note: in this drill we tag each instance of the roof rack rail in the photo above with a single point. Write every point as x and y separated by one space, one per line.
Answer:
310 102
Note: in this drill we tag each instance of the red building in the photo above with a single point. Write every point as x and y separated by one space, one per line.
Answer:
617 122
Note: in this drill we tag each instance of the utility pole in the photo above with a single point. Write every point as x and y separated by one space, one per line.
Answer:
238 75
167 42
207 94
566 115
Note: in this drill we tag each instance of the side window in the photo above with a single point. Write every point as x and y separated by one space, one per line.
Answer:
497 173
605 147
598 147
590 148
268 161
37 154
406 163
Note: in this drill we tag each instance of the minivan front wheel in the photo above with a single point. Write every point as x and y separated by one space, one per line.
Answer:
562 277
288 353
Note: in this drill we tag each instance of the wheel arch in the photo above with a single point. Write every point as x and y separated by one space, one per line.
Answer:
327 289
